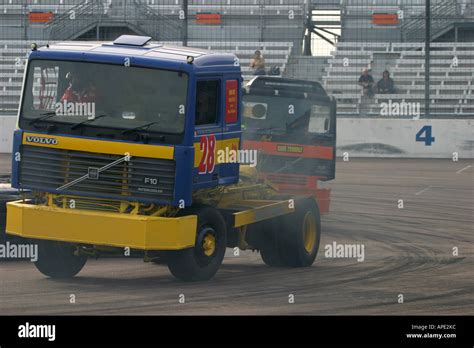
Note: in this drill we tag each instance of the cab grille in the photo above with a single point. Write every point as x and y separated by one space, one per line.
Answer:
140 178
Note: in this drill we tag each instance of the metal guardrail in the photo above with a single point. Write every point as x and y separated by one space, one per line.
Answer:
74 21
150 21
135 13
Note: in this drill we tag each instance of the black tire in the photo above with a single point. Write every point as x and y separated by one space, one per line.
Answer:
57 259
271 257
270 250
299 246
202 261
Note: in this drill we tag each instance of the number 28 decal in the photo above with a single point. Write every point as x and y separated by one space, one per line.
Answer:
207 145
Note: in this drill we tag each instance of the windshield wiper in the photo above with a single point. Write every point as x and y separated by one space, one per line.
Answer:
44 117
143 127
80 124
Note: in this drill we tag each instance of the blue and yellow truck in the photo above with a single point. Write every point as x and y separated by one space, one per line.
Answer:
125 144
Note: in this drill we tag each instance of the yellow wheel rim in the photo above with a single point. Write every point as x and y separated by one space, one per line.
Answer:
309 232
209 244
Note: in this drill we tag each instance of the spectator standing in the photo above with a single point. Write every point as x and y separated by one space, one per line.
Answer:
258 63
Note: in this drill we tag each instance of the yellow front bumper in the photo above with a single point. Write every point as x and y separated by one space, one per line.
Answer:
100 228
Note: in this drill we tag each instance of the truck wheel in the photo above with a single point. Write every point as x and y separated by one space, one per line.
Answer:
57 259
271 257
270 250
202 261
302 235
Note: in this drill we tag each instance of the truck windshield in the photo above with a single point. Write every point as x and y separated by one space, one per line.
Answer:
281 114
84 94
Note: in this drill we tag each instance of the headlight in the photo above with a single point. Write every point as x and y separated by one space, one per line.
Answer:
257 111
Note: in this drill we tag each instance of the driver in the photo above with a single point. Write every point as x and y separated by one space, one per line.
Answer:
78 91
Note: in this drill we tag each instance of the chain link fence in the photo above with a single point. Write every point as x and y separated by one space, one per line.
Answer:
371 55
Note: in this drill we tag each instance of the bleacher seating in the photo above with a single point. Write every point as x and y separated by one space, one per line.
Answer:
359 24
13 56
241 31
12 63
249 20
451 75
15 8
275 53
248 25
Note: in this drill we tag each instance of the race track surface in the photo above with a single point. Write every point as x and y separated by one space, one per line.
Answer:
408 252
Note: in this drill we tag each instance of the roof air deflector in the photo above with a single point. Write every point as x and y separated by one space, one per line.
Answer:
132 40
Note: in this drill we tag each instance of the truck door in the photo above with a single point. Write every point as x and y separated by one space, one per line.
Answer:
208 132
231 135
322 135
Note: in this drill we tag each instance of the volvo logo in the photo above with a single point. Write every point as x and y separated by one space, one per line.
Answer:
94 172
41 140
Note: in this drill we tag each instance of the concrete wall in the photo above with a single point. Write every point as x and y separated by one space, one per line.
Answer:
368 137
7 124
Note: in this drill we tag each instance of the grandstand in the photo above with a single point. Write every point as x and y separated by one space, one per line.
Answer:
371 34
13 57
451 74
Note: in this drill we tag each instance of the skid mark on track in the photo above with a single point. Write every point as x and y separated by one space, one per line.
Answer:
423 191
407 251
463 169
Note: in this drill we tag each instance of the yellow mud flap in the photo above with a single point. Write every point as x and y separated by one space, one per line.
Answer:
100 228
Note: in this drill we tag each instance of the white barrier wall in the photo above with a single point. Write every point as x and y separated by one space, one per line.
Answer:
369 137
7 125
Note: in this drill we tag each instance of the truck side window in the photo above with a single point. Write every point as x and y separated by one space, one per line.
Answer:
207 97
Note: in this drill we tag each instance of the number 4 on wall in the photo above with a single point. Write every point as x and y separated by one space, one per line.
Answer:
426 138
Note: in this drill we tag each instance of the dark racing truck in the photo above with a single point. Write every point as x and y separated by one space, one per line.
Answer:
293 125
